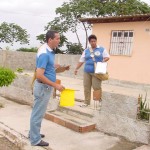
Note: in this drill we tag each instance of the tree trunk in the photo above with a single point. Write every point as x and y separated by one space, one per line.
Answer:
86 35
78 40
4 52
77 37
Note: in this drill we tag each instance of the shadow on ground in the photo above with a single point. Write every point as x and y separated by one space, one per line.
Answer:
125 145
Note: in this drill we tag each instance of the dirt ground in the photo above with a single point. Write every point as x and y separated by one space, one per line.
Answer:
5 144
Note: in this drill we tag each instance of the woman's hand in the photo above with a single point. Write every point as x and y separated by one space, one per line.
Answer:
75 72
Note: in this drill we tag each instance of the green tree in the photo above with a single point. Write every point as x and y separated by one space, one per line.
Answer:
97 8
70 12
73 10
10 33
74 48
41 38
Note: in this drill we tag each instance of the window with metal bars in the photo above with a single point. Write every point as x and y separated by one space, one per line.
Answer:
121 42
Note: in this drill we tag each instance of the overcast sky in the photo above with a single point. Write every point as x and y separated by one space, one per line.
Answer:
31 15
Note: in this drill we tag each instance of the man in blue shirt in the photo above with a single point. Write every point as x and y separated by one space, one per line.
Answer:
43 85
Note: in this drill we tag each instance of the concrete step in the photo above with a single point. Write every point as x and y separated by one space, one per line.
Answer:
70 121
78 112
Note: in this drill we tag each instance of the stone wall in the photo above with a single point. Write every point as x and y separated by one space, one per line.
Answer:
14 60
26 60
71 60
20 90
118 116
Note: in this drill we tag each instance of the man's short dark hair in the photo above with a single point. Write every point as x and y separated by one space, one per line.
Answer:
50 35
92 37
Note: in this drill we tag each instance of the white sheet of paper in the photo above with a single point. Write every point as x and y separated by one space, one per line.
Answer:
101 67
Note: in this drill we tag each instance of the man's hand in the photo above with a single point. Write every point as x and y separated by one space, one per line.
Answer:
41 77
57 65
67 67
59 87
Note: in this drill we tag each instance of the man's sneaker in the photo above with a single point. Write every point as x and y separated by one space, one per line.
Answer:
42 136
42 143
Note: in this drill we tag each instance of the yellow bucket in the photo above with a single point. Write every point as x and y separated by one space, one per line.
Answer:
67 97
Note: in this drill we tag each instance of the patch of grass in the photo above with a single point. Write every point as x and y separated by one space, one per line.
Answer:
26 74
20 70
144 109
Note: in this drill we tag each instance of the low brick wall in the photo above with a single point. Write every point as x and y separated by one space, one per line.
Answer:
26 60
117 116
20 90
15 59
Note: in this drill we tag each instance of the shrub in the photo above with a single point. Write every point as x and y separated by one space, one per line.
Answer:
144 109
32 49
7 76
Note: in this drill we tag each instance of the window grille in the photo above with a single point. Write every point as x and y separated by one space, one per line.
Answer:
121 42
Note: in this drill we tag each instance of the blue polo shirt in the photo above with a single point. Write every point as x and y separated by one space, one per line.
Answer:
45 59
